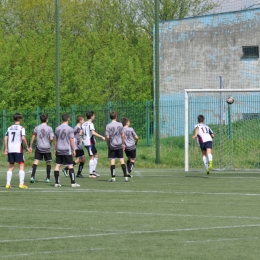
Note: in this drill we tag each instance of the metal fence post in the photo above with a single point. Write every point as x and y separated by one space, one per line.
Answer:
3 123
73 117
147 123
38 115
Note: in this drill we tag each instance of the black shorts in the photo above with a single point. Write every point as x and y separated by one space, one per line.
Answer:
206 145
92 150
131 154
15 158
64 159
113 154
80 153
39 156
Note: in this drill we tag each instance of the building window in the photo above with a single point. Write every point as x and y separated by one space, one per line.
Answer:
250 52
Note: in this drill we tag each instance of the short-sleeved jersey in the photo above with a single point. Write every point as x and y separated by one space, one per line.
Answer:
43 133
114 131
77 138
129 138
15 133
63 134
204 134
87 128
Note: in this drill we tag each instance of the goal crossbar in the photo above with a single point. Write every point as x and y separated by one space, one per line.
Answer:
186 106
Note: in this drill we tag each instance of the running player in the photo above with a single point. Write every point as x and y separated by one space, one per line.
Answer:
13 140
115 143
64 150
89 142
131 140
44 134
204 137
80 155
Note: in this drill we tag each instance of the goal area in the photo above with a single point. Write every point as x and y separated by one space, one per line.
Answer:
236 145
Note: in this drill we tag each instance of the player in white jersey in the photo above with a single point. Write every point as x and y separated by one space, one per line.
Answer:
131 140
64 150
89 134
44 135
204 137
116 145
13 140
80 155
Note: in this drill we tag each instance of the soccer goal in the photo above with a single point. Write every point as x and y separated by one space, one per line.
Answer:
236 126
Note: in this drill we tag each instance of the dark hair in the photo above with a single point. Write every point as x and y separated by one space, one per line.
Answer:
65 117
125 120
200 118
89 114
113 115
17 117
78 118
44 118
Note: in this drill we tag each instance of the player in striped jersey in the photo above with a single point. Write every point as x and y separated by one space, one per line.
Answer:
131 140
116 145
204 137
44 135
89 134
14 137
80 155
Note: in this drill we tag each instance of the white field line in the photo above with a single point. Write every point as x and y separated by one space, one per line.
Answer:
60 190
137 232
51 252
221 240
127 213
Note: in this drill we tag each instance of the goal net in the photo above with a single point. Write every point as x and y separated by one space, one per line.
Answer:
236 127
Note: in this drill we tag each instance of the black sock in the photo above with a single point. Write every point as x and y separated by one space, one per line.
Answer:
81 165
124 170
56 176
72 175
131 166
48 170
127 163
113 171
33 170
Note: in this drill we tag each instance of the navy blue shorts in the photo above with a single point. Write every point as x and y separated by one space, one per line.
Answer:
206 145
15 158
92 150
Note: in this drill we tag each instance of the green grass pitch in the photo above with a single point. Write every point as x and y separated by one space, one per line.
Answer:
159 214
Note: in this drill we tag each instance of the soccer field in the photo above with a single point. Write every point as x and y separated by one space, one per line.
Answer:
159 214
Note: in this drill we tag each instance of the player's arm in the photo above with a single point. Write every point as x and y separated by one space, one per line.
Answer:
97 135
29 150
196 133
123 141
136 139
5 144
72 144
32 140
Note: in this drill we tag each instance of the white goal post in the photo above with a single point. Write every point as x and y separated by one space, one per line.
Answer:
186 123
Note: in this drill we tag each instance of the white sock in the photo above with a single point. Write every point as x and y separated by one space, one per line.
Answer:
21 176
91 166
96 162
9 177
210 157
205 161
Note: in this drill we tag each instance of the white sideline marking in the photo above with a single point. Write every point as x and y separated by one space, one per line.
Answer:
51 252
67 189
122 212
127 233
220 240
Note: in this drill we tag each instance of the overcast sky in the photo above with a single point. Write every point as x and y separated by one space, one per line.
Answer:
235 5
